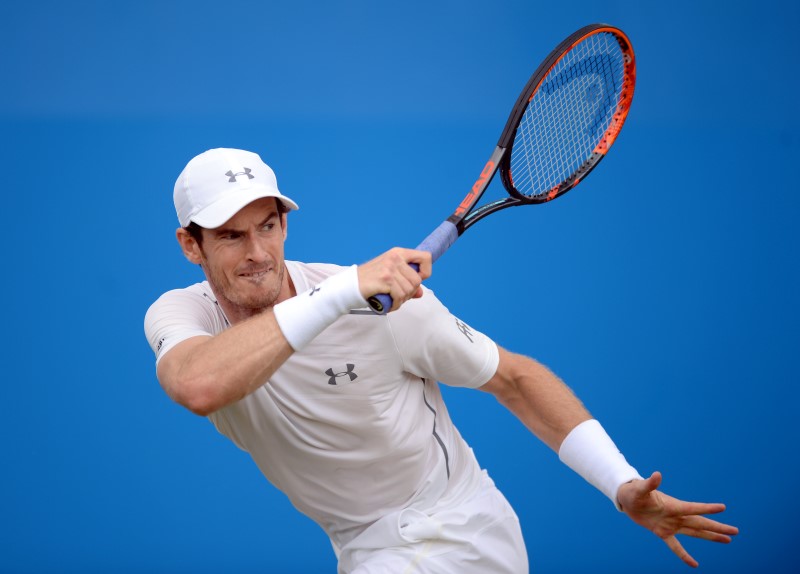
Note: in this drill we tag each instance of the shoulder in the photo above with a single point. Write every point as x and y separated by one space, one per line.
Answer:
195 305
427 307
180 314
420 319
306 275
436 344
198 295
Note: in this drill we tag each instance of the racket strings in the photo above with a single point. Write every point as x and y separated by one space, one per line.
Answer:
568 115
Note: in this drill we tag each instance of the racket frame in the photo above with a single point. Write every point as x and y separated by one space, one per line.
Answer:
466 214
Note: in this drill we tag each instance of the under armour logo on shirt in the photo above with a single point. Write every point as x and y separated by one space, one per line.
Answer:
349 373
232 176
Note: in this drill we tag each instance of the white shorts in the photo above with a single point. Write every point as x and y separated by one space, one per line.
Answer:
480 536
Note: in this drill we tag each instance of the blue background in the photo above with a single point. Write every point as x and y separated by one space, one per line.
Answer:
663 289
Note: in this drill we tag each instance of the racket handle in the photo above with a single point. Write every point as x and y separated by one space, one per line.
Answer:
439 240
436 244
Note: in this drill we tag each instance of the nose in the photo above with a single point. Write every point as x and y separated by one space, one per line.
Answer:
255 250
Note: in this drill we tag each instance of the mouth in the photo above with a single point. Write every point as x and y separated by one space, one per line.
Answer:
255 275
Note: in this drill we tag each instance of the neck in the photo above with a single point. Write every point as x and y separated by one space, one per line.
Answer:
237 313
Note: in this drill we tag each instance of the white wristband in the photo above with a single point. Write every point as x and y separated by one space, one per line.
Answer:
589 451
305 316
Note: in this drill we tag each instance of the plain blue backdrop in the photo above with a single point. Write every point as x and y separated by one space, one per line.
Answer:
663 289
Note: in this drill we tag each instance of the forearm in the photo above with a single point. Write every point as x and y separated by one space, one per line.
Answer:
216 371
555 415
537 397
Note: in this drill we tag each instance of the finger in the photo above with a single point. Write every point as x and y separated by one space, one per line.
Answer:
424 260
705 535
654 481
648 485
703 523
410 274
421 259
680 552
404 287
697 508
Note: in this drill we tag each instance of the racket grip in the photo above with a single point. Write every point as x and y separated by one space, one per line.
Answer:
436 244
439 240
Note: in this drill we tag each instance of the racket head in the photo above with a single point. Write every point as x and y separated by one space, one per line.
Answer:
569 114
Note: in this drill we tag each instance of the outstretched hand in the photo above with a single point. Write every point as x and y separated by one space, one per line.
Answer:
667 517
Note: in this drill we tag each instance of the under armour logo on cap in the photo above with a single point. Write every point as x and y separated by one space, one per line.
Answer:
232 176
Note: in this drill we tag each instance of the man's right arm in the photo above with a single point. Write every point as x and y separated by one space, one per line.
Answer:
205 373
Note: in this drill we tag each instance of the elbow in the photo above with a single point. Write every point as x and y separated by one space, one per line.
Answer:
201 406
196 396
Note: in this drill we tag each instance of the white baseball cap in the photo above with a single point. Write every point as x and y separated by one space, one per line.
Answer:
216 184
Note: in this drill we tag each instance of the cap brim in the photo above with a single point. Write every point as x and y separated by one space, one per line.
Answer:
221 211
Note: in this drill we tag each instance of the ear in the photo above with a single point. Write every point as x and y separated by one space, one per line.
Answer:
191 250
284 222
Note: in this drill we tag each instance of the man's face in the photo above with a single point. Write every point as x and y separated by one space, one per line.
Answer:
243 258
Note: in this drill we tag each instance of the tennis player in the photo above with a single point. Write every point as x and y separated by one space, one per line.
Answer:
340 408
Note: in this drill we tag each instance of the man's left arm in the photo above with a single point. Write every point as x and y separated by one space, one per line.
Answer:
552 412
537 397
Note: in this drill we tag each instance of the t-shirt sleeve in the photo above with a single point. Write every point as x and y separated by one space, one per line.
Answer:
435 344
176 316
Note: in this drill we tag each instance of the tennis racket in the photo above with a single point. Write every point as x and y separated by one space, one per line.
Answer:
563 123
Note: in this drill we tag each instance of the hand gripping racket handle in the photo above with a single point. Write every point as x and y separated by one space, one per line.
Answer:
436 244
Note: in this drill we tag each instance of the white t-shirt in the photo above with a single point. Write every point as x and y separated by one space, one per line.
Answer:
353 426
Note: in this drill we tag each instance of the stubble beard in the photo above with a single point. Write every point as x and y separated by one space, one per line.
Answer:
247 304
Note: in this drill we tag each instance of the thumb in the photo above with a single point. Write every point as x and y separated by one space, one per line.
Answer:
653 482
